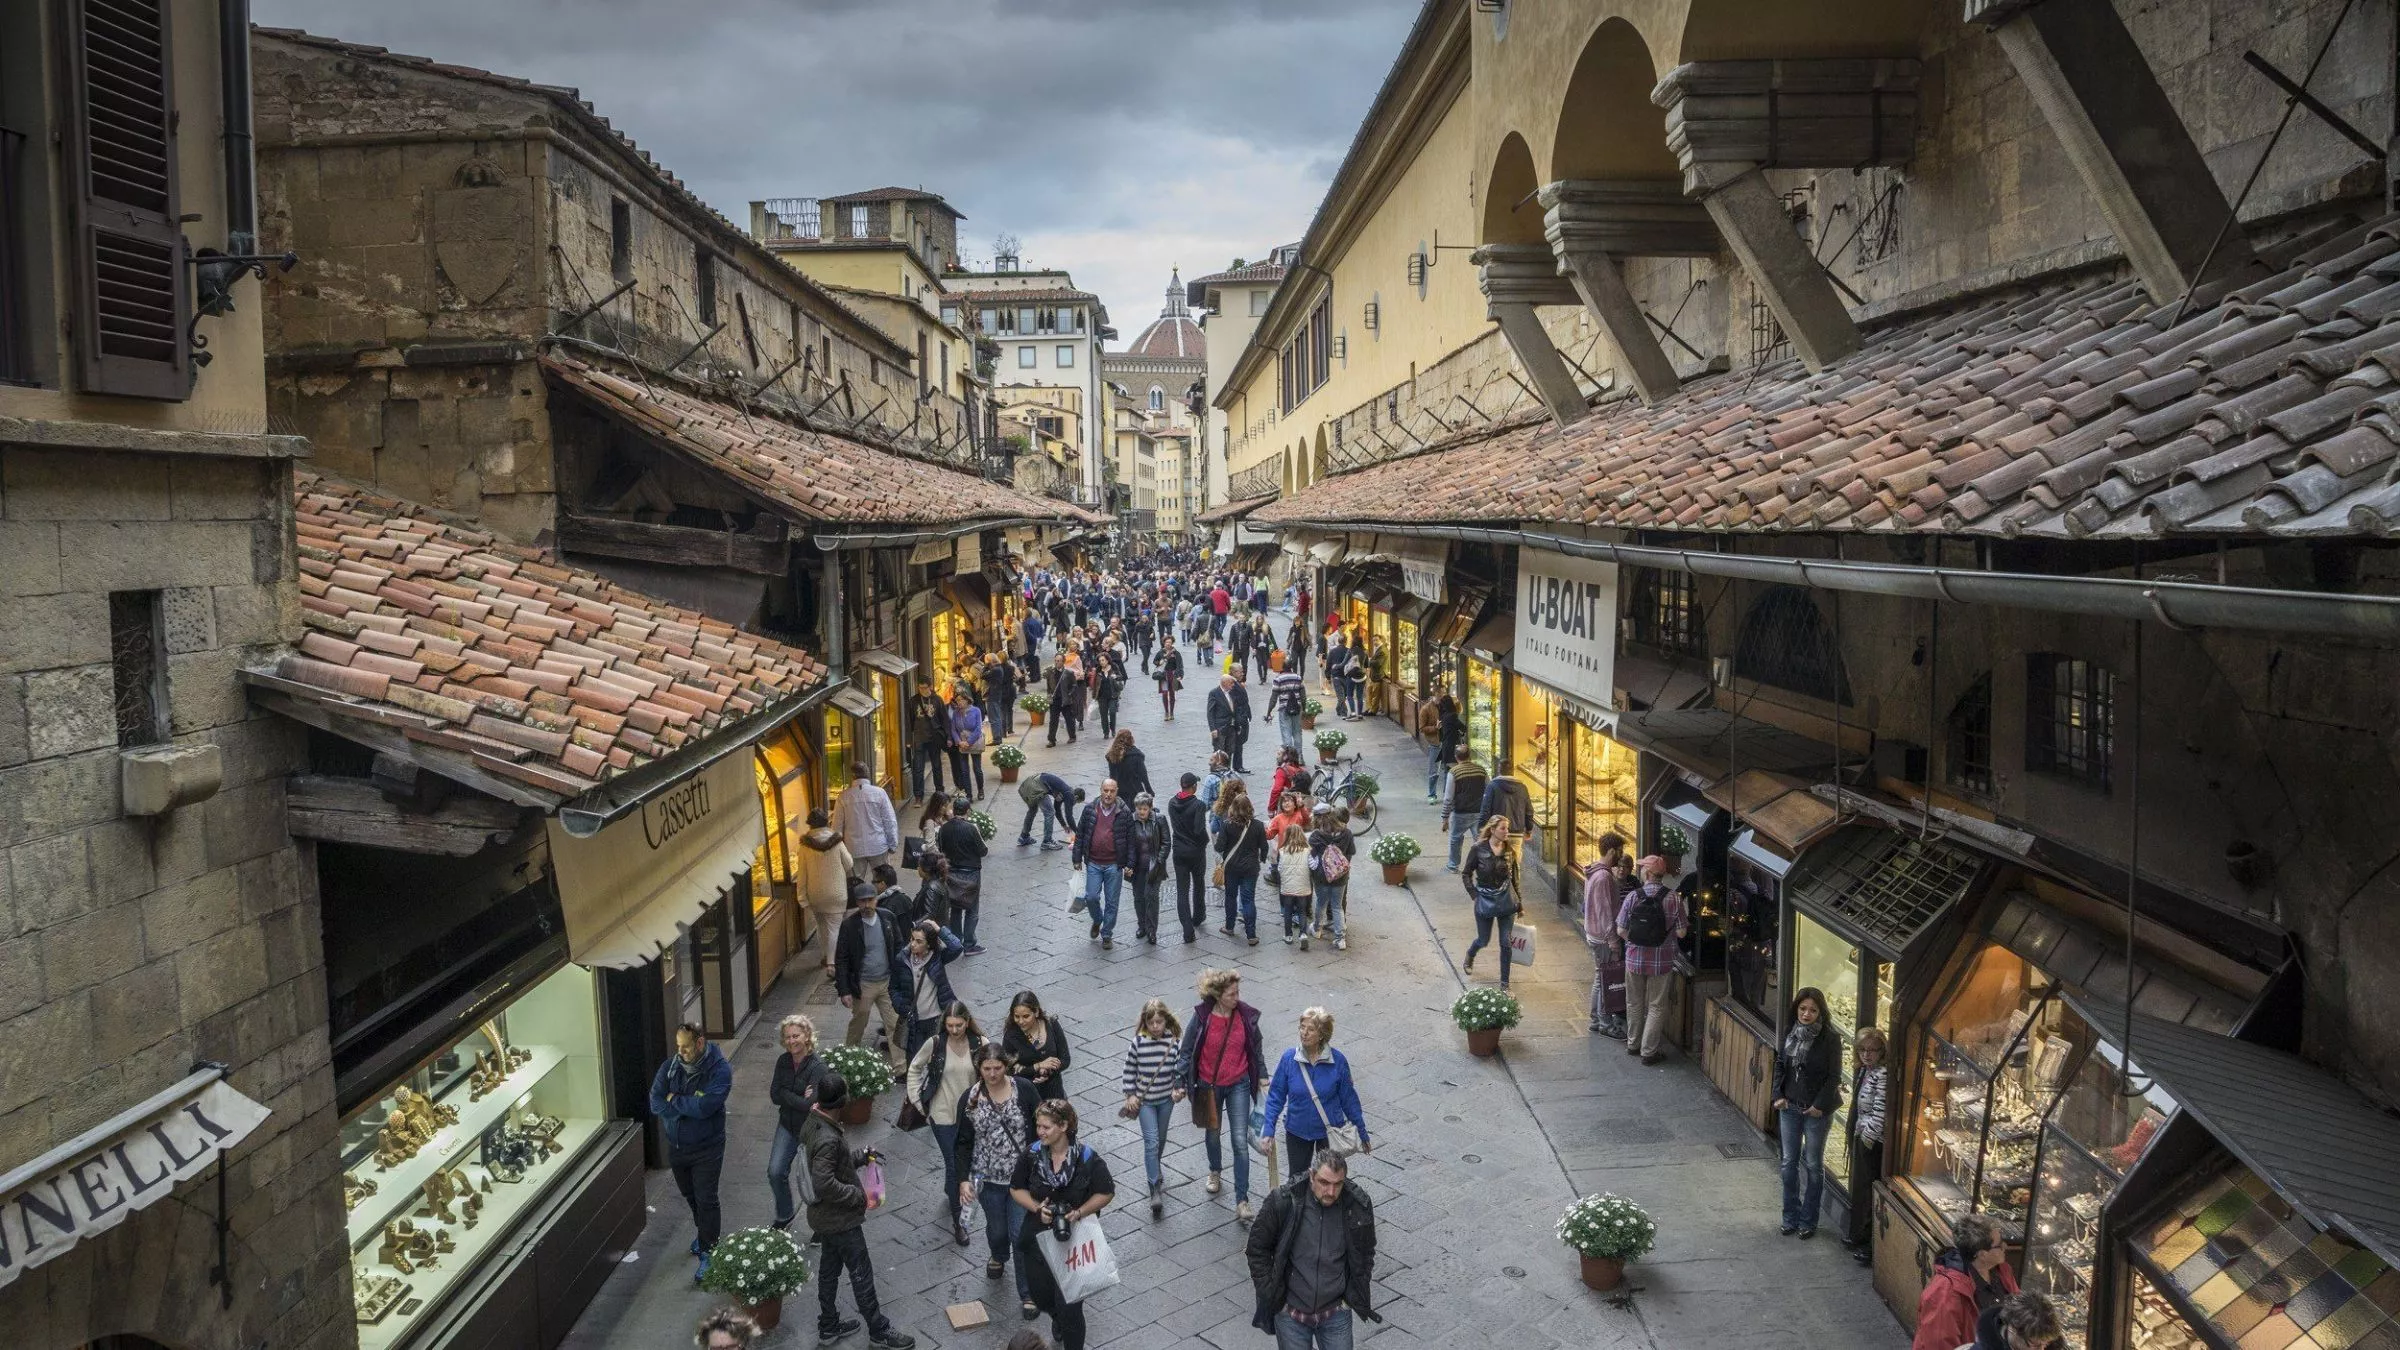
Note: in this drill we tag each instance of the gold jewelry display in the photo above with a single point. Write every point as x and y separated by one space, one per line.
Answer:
355 1189
376 1295
439 1190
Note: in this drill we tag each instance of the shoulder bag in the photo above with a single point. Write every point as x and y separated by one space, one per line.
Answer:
1340 1140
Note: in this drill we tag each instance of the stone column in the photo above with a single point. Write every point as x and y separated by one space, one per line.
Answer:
1590 225
1516 278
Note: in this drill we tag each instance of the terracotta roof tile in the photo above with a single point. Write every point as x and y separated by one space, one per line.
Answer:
2071 409
525 701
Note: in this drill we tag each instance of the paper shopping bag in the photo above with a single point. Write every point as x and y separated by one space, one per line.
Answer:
1520 944
1083 1265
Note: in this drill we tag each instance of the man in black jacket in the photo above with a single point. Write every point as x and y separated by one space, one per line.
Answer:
1187 833
1147 871
1462 814
962 845
1312 1258
837 1218
1229 719
870 971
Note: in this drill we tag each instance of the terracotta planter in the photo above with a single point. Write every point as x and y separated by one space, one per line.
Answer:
1033 717
767 1314
1325 756
1395 874
1308 721
1603 1272
1008 772
858 1110
1485 1042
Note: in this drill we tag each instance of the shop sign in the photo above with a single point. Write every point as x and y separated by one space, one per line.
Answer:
628 890
967 553
929 551
93 1183
1566 615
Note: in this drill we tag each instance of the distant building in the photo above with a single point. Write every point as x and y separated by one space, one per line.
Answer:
1049 336
1231 304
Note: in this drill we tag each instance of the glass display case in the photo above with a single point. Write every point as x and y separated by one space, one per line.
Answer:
1858 993
1985 1073
2152 1322
838 749
1483 710
1534 757
1379 643
1406 642
949 644
1607 793
2101 1122
1755 874
2232 1254
439 1168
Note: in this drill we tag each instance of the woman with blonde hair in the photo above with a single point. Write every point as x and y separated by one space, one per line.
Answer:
1313 1095
1490 874
1153 1083
1293 885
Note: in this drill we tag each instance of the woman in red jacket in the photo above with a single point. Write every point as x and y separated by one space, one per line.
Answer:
1970 1277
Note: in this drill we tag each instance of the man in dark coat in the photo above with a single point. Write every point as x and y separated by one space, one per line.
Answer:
1229 719
1104 849
1187 833
1312 1258
687 1097
837 1219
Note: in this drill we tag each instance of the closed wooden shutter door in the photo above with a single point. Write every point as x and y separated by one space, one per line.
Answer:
132 305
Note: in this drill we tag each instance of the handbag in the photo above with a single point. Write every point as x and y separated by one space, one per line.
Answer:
1206 1112
1340 1140
1493 901
910 1117
1521 944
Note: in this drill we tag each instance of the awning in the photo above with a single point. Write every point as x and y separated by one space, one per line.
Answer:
1414 610
855 700
1882 889
1705 742
1761 853
1496 637
2323 1147
889 662
1778 806
973 596
98 1179
628 890
1328 552
1668 686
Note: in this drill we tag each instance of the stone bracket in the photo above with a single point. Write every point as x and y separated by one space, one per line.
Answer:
1515 278
1822 113
1787 275
155 779
2093 86
1592 223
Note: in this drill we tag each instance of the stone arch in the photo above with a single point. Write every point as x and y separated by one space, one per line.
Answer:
1607 126
1510 215
147 1280
1319 464
1735 30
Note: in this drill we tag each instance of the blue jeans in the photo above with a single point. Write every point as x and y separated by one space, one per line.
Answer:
1462 824
1334 1335
1052 815
1289 724
1433 771
779 1172
1241 894
1803 1151
966 913
1103 884
1329 904
1507 919
946 1137
1003 1219
1294 909
1155 1117
1233 1108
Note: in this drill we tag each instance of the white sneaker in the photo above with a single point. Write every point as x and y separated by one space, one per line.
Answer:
1241 1212
1341 944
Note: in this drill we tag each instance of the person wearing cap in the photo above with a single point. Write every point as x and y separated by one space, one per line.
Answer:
837 1219
1146 865
1649 922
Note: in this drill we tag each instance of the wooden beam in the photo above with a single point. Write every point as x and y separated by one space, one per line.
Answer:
456 767
354 811
672 545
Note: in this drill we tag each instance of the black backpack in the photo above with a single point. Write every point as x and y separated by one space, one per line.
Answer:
1646 923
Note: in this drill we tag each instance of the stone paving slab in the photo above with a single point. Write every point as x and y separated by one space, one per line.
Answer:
1475 1159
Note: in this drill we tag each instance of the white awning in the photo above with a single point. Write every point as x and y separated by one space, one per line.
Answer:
889 662
1328 552
630 889
94 1181
855 700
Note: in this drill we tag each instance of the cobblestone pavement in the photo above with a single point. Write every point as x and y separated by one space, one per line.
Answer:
1474 1161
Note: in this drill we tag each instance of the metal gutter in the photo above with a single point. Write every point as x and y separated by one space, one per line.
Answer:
835 541
2181 605
624 794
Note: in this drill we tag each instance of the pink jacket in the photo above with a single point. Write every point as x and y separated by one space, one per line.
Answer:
1600 906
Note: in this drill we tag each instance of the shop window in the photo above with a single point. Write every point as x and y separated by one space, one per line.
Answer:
1666 612
1786 642
1532 756
2070 718
137 647
1607 794
1969 763
1405 646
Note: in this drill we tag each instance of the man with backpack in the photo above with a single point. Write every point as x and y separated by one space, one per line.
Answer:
1286 693
1650 922
1462 813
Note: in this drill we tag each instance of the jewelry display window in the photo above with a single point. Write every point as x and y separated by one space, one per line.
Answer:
439 1168
2234 1257
2100 1124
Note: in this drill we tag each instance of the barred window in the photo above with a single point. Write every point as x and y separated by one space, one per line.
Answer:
2070 718
1969 762
1666 612
1786 642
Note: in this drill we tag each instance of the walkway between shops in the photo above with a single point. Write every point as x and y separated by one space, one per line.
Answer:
1475 1159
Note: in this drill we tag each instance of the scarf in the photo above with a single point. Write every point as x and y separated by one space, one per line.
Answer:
1056 1180
1796 1045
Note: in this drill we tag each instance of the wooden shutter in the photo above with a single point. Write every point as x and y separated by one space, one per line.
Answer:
132 301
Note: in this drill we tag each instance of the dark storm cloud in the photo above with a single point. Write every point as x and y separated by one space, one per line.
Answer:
1114 137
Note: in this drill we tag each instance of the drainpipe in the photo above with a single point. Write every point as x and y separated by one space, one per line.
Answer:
241 166
2181 605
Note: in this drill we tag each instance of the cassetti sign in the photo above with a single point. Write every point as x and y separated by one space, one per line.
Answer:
629 889
1567 624
128 1167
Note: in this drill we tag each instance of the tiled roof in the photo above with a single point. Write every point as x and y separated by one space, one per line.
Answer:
1233 510
2071 410
813 475
1257 271
1174 335
544 675
893 194
961 283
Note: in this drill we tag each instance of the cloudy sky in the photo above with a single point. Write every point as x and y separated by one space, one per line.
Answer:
1115 138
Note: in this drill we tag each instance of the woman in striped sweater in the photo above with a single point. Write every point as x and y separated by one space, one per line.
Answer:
1152 1087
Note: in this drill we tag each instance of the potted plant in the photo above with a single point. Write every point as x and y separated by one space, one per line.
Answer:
1009 759
1483 1013
1673 844
1034 705
1330 742
984 824
1394 851
759 1268
864 1075
1609 1230
1309 708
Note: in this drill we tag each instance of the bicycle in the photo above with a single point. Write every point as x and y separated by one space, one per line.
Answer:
1354 789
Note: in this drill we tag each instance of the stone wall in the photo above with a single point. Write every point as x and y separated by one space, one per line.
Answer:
132 949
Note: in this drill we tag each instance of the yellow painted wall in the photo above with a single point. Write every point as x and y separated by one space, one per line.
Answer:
866 269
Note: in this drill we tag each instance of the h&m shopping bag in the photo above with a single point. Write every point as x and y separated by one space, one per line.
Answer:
1083 1265
1520 944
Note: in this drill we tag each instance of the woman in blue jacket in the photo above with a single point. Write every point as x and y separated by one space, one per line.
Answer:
1312 1093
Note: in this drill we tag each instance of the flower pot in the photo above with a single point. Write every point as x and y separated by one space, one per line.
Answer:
767 1313
1308 721
1674 862
1325 756
1484 1041
1395 874
1603 1272
858 1110
1008 772
1033 717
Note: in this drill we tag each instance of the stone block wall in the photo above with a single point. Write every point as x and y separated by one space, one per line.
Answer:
133 949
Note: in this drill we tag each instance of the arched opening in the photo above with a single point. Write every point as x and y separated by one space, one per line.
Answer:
1607 125
1158 399
1786 642
1317 464
1510 215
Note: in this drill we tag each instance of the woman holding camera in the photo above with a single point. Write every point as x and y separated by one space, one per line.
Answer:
1058 1182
